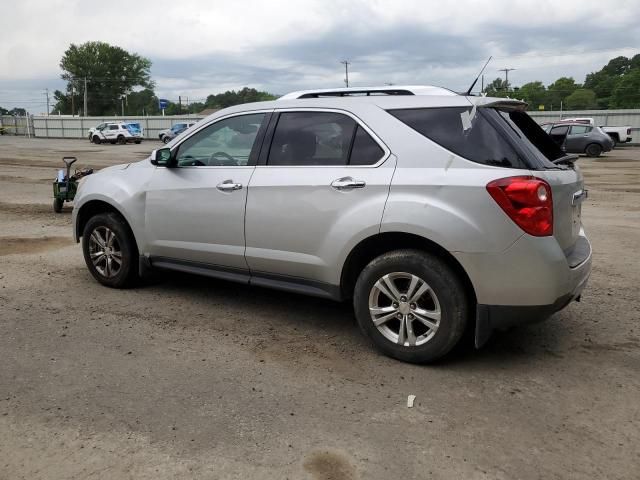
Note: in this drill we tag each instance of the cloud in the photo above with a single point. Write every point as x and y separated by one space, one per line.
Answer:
200 47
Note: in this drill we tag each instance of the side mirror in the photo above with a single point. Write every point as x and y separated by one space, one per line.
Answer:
161 157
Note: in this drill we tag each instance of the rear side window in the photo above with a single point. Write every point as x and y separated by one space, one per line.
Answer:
311 138
365 150
480 143
113 127
580 129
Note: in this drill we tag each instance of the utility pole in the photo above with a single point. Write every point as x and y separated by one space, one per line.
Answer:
73 102
179 104
84 112
46 92
506 77
122 102
346 64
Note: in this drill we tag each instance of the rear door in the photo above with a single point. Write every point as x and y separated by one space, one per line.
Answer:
322 177
559 134
578 138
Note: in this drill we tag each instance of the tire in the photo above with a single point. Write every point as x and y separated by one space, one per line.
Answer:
96 140
57 205
121 140
445 293
614 140
138 142
96 238
165 139
593 150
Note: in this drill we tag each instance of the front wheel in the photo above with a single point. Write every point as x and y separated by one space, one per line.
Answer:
411 305
110 251
96 140
593 150
165 139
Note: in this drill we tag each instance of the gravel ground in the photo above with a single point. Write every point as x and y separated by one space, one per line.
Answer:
196 378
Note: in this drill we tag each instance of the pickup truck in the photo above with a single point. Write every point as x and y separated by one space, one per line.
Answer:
617 134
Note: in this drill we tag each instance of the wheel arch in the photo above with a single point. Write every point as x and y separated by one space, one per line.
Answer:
381 243
95 207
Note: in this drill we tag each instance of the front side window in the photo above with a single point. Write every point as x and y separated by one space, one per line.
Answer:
177 126
225 143
312 138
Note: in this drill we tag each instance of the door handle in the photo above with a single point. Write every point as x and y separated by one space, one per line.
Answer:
347 183
229 186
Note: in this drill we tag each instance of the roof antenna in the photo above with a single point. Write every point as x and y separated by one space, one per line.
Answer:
476 80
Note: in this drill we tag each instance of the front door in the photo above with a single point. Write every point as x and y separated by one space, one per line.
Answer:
325 179
195 209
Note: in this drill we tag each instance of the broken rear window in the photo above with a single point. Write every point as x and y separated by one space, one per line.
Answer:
477 140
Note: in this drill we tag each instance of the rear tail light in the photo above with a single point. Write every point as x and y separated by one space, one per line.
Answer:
527 201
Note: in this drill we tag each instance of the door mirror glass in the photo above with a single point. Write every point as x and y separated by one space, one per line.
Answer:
161 157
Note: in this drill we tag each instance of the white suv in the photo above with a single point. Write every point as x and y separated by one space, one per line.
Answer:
120 132
431 212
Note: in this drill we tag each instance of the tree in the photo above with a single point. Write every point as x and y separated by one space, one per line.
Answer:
559 90
496 88
581 99
534 93
617 66
4 111
626 94
111 73
142 102
231 97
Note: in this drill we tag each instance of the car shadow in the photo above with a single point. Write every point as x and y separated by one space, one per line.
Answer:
304 317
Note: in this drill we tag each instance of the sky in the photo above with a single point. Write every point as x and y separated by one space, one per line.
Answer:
200 47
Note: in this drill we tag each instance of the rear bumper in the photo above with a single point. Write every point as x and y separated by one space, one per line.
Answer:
528 282
501 317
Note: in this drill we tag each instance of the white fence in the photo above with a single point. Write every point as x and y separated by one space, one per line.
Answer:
78 127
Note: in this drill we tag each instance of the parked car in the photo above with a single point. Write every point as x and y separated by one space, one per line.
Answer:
169 134
617 134
117 132
431 212
574 137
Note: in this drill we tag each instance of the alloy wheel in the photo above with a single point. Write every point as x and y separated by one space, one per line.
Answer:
105 252
404 309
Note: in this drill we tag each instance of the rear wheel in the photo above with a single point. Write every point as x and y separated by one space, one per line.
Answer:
614 140
110 251
121 140
137 142
593 150
411 305
57 205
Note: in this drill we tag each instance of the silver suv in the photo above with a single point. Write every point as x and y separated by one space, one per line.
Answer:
432 212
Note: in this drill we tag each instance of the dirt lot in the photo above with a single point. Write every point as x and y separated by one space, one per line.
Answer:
195 378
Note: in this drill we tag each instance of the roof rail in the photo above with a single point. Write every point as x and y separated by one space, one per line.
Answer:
352 93
368 91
